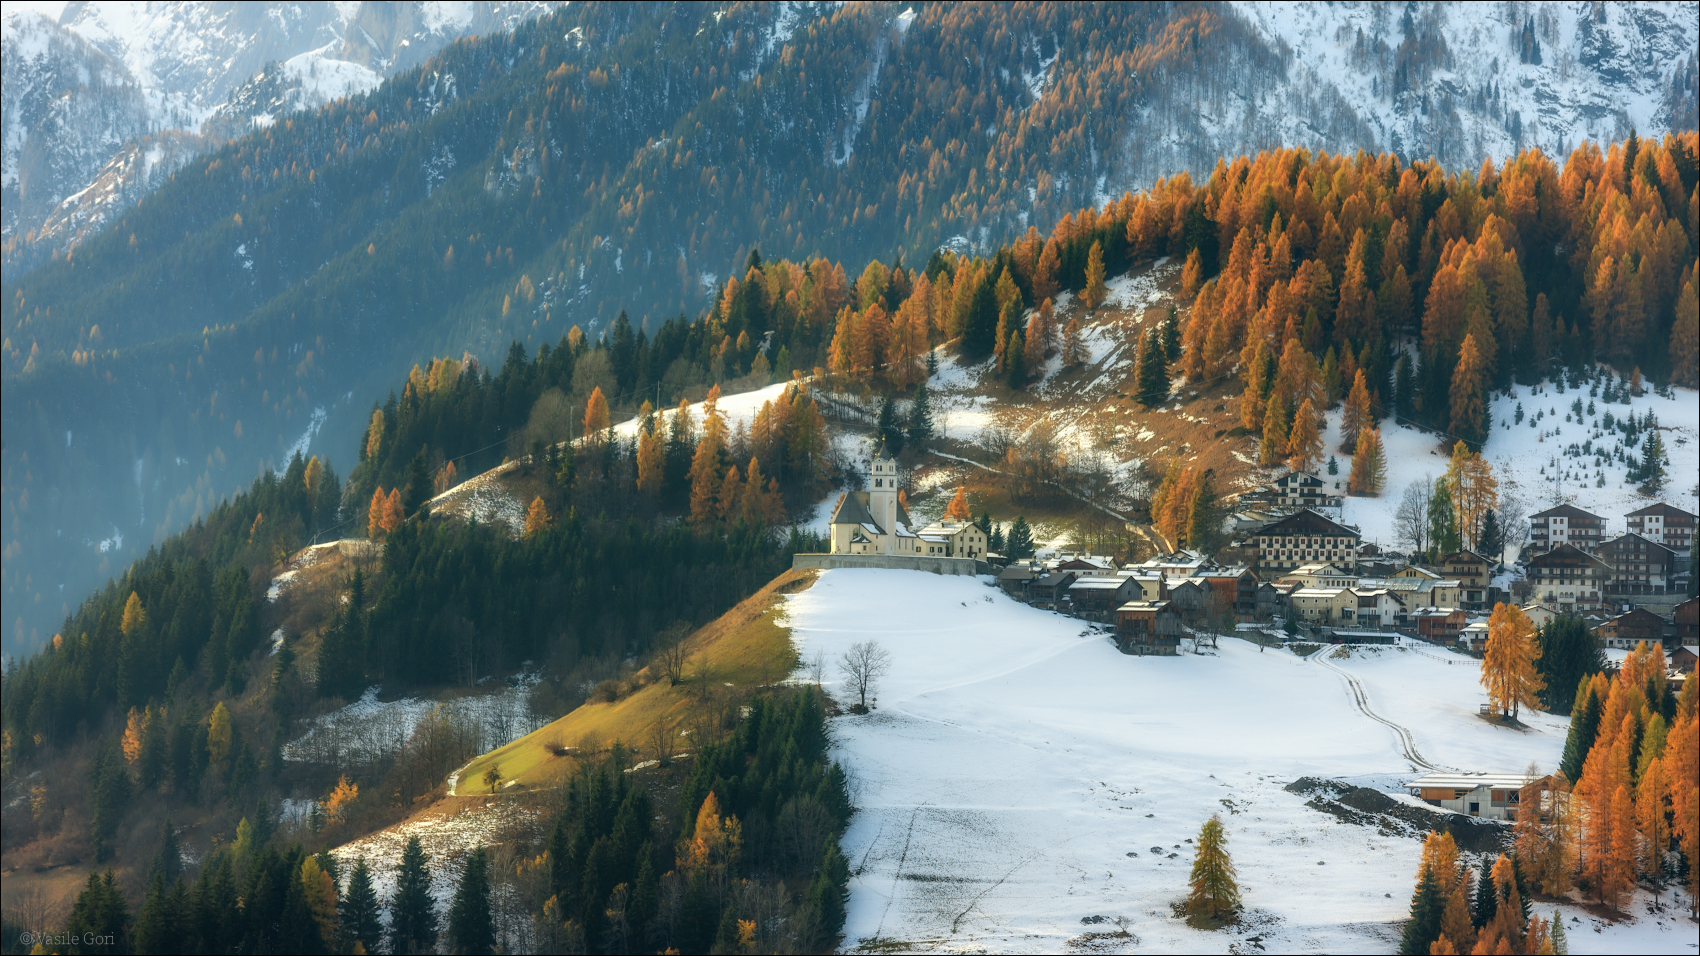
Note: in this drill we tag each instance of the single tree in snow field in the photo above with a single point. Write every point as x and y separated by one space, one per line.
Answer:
1508 665
1215 896
863 665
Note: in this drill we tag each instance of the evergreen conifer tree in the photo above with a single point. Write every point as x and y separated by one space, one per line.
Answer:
111 799
995 539
920 418
100 912
1171 335
160 924
1487 898
888 430
1153 372
470 927
829 895
1428 907
1020 542
1584 727
1492 541
418 484
361 920
1653 460
1215 894
413 913
1015 359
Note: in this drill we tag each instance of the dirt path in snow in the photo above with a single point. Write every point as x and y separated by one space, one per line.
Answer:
1407 743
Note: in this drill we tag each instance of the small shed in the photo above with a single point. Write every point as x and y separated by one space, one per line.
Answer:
1148 627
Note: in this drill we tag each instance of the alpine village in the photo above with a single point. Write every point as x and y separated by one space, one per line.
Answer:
798 477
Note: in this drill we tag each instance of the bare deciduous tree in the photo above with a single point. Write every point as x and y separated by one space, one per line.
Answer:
672 651
1411 517
863 665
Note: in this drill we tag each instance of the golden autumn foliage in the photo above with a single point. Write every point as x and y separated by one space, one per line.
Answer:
1508 664
596 416
957 510
134 726
537 519
341 797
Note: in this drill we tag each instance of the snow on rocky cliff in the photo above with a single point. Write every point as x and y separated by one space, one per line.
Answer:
111 98
1468 81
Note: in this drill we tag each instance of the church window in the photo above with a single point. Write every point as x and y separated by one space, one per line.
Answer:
877 483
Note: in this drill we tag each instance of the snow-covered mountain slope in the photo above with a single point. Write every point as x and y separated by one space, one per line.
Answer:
1468 81
82 91
67 108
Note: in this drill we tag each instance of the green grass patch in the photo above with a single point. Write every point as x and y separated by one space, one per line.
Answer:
745 649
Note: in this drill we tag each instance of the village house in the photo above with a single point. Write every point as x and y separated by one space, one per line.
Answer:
1321 576
1273 598
1149 628
1305 537
1439 625
1568 578
1299 489
1098 596
1473 636
1539 614
1235 587
1638 565
1016 580
1566 524
1152 585
1416 587
1325 605
1379 608
1630 628
1473 573
1667 524
1176 564
1049 590
1686 617
1490 796
1683 659
1188 596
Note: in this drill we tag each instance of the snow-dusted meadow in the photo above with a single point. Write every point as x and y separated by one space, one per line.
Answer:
1020 777
1532 459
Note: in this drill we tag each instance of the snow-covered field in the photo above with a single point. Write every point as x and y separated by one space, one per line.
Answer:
1020 778
1531 460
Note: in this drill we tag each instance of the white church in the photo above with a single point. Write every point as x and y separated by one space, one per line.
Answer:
875 522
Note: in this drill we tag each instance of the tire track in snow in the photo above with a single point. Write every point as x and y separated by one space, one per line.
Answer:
897 877
1407 742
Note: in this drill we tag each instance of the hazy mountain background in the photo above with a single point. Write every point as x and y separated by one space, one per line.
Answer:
183 308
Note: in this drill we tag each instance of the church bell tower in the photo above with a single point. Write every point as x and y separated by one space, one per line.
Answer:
882 496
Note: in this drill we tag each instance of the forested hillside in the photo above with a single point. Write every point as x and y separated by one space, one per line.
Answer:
160 700
603 159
